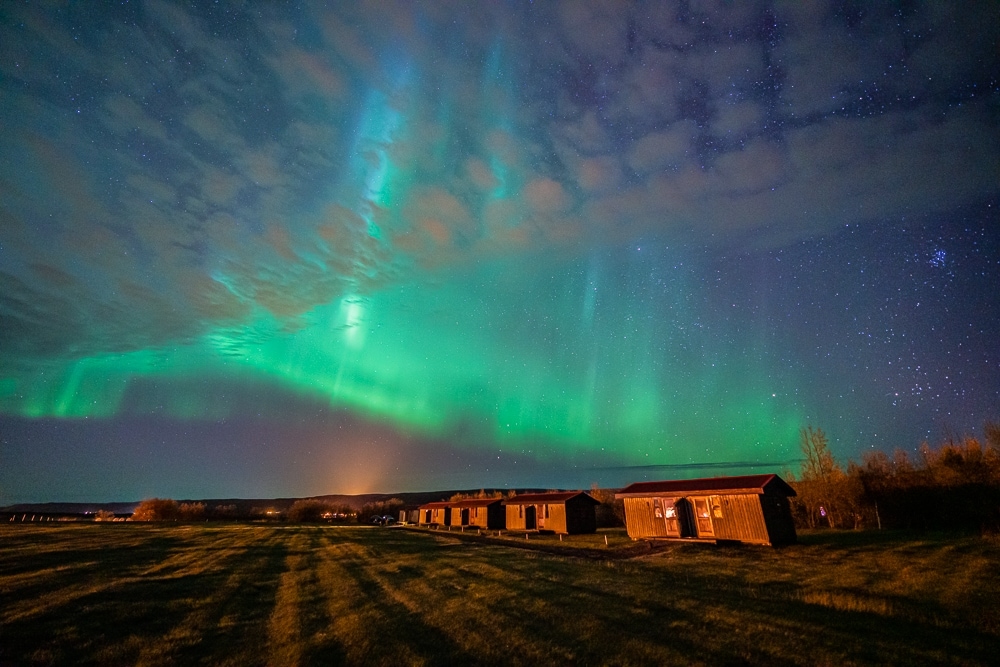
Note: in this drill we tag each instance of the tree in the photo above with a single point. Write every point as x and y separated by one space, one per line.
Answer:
823 481
380 508
309 510
156 509
610 512
191 511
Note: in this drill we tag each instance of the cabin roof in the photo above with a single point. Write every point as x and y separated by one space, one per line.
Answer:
476 502
557 497
438 505
758 484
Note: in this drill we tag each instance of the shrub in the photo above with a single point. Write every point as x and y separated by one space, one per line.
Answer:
308 510
157 509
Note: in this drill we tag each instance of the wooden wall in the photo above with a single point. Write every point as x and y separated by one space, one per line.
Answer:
753 518
515 522
490 516
742 519
640 521
778 517
556 520
581 516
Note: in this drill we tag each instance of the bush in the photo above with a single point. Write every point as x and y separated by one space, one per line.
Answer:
308 510
953 486
191 511
389 507
610 513
157 509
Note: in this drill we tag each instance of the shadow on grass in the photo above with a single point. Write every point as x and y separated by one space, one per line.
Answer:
401 628
113 624
717 618
692 603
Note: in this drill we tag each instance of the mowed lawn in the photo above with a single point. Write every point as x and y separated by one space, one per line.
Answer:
244 594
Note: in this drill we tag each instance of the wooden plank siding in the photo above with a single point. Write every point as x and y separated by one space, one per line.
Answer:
516 519
777 512
642 521
741 519
566 512
435 514
552 516
482 513
752 509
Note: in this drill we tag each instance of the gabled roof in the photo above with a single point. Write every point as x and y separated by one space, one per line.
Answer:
557 497
476 502
438 505
758 484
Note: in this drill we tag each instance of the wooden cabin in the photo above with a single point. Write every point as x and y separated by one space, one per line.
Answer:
750 508
566 512
479 513
435 514
409 516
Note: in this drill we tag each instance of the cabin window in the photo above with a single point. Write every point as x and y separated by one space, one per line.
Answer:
520 511
716 507
657 508
546 511
670 512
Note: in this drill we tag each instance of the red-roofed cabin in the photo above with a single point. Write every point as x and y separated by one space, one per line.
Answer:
749 508
478 513
567 512
435 514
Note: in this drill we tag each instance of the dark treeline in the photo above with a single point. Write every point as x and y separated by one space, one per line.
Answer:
305 510
954 486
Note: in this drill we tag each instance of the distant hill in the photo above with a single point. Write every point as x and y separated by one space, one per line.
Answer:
245 506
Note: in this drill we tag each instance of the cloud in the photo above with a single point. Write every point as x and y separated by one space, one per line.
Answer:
669 148
186 179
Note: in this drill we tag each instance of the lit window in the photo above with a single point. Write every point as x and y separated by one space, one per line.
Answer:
716 507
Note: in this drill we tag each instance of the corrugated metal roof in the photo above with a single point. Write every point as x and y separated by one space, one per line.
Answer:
556 497
744 483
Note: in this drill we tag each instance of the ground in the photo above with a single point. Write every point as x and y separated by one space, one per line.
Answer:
244 594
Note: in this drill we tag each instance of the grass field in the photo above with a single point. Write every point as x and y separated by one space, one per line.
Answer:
243 594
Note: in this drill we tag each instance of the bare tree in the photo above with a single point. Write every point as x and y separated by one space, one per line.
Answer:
822 480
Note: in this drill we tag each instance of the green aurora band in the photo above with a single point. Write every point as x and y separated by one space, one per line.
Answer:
488 354
639 238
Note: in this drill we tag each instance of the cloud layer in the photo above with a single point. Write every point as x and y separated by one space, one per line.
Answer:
179 171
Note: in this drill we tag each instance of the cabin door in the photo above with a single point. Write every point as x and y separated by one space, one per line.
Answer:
670 517
703 516
427 516
685 517
530 522
465 516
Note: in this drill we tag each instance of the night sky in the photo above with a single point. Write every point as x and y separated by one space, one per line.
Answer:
255 250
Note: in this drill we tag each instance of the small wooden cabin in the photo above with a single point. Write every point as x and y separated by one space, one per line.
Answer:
750 508
435 514
409 516
479 513
566 512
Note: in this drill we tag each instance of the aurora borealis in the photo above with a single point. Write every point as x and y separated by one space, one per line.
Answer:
258 250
